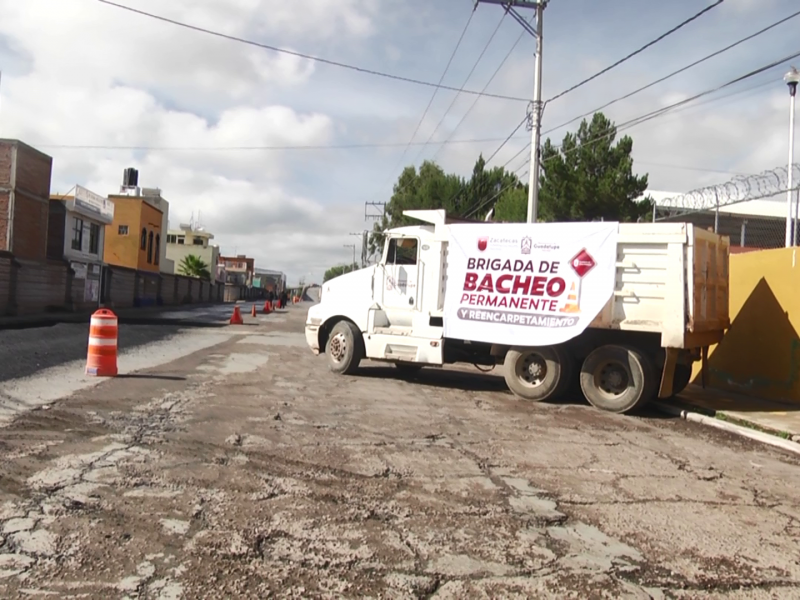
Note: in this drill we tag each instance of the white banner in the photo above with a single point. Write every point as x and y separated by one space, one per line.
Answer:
528 284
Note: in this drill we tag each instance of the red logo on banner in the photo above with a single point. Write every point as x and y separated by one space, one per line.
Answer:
582 263
483 243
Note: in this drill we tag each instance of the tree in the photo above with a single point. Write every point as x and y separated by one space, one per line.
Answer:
588 178
431 188
193 266
334 272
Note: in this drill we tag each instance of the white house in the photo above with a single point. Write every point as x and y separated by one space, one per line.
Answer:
76 231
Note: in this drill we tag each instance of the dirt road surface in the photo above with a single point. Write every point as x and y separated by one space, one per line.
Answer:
247 470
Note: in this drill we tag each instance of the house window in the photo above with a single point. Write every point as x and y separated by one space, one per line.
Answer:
158 248
402 251
77 234
143 241
94 238
182 240
197 241
172 239
150 249
123 230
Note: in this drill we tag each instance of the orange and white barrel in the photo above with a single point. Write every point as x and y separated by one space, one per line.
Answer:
101 360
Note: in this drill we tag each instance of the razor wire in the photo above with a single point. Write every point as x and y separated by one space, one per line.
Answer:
757 230
743 188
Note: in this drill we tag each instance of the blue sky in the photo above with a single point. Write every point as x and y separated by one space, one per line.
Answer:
80 72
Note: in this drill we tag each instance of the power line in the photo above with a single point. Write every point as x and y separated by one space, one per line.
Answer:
655 114
435 90
505 59
635 52
310 57
511 135
260 148
485 87
466 80
679 71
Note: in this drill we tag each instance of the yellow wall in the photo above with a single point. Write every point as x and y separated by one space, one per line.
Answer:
123 250
760 354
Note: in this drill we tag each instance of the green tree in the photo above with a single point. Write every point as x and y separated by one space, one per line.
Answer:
334 272
588 177
431 188
193 266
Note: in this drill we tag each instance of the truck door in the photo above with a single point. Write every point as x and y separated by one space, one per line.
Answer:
401 280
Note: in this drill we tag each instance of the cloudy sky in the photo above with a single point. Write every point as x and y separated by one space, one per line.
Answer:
193 112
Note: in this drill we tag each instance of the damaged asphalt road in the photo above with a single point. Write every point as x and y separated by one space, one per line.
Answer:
247 470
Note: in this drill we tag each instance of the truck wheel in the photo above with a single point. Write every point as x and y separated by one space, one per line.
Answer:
537 374
345 348
618 379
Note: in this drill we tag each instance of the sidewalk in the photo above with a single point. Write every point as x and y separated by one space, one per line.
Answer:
766 415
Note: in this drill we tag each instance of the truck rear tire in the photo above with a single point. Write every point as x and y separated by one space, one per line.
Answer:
537 374
618 379
345 348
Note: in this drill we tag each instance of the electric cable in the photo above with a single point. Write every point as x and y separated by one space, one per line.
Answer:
310 57
635 52
678 71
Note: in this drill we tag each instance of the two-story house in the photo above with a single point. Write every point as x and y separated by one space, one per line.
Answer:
238 270
76 232
191 241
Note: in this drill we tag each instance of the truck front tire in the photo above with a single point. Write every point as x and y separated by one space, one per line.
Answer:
537 374
618 379
345 348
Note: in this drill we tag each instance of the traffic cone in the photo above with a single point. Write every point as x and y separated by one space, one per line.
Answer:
253 312
236 318
572 305
267 308
101 360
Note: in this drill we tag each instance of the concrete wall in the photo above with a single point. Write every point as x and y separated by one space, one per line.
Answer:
760 354
32 287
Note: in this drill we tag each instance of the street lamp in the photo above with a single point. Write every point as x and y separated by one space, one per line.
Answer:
792 78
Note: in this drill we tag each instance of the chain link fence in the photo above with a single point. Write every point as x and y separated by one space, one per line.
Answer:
751 210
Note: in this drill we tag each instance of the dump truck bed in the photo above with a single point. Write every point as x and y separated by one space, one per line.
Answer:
671 278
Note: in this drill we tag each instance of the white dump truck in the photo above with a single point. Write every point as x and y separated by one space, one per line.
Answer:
619 311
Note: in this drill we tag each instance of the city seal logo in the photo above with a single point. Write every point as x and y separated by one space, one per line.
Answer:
483 243
526 244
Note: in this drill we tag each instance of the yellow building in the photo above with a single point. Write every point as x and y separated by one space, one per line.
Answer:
134 239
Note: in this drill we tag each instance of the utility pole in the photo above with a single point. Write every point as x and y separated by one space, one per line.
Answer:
364 235
376 205
353 246
536 108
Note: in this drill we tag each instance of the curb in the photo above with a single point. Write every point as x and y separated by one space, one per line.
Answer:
758 436
129 314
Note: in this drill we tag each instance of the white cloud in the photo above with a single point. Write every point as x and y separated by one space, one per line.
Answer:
86 73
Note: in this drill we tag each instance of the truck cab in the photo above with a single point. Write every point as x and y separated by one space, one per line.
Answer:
396 306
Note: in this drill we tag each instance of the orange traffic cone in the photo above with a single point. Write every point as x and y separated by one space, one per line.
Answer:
572 305
253 312
236 318
101 360
267 307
